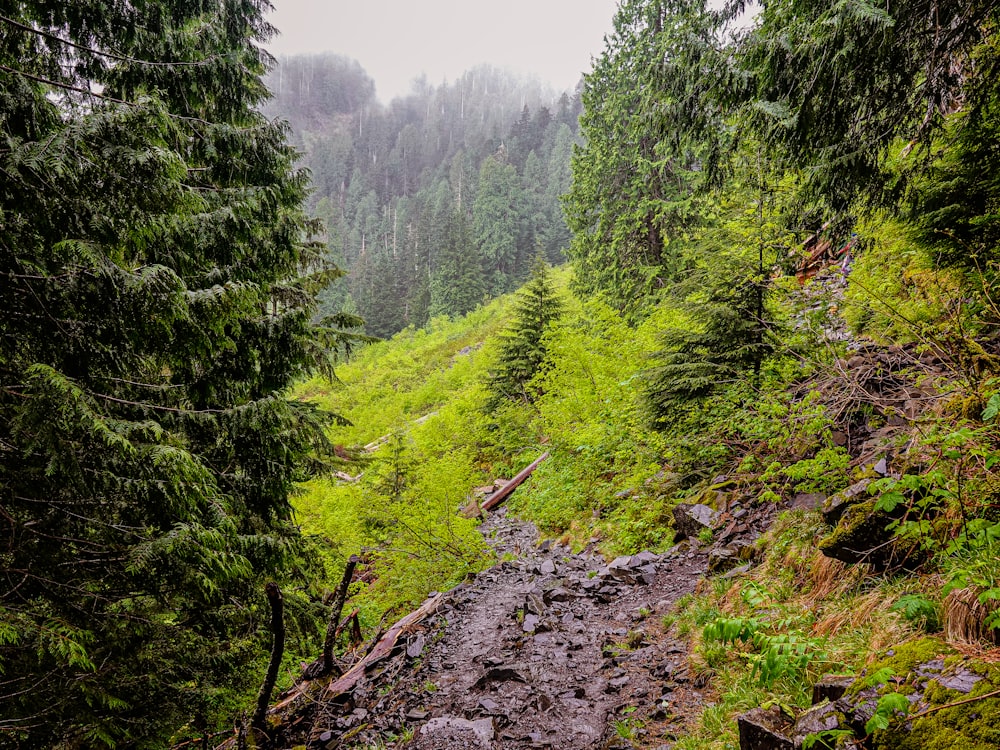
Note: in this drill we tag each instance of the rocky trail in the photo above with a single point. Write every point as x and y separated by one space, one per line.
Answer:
547 649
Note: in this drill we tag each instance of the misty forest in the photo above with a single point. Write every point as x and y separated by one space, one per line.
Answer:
662 412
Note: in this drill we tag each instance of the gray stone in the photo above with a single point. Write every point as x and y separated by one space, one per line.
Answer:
535 604
721 559
862 536
646 557
961 680
547 568
481 730
416 646
808 500
690 520
558 594
621 563
831 687
835 505
764 729
738 571
821 718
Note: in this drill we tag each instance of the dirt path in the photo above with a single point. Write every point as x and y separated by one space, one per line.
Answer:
549 649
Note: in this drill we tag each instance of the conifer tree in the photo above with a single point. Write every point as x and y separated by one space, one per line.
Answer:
522 346
154 311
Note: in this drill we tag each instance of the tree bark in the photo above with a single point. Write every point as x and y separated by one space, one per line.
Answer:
274 599
498 497
338 606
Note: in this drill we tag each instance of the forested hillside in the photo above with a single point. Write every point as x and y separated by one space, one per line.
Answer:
439 200
781 305
768 380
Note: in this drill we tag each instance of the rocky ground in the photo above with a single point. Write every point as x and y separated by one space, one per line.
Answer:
547 649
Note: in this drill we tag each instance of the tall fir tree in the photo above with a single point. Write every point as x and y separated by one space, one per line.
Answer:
155 312
522 346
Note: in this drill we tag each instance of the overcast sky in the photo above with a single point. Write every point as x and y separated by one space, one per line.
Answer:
397 40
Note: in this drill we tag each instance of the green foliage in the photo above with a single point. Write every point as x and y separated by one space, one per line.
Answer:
650 133
423 390
955 206
521 352
890 707
157 296
894 291
832 87
777 655
919 611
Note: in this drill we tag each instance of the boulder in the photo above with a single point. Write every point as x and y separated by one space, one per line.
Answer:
820 718
862 535
831 687
690 520
765 729
835 505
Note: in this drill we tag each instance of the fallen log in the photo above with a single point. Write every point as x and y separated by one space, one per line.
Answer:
382 648
502 494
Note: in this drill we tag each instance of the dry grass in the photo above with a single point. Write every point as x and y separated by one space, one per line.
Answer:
965 618
831 577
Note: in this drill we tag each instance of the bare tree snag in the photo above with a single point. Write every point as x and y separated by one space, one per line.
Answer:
274 599
498 497
338 606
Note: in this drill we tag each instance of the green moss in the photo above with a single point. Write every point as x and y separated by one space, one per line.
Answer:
906 657
970 726
860 528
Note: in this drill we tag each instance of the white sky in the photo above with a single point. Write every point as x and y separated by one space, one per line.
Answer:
397 40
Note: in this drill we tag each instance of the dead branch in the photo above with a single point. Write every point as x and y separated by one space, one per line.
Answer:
338 606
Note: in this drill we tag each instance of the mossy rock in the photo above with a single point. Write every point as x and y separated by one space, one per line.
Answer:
973 725
862 535
932 674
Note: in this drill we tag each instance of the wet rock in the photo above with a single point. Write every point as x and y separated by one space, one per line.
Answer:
535 604
765 729
646 558
808 500
558 594
416 646
721 559
962 680
862 535
690 520
835 505
831 687
738 571
820 718
454 728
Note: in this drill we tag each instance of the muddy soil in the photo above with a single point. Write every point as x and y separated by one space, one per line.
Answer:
548 649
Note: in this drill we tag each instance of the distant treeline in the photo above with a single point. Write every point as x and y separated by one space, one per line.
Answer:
437 201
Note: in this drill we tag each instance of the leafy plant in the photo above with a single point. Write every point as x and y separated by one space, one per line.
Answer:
890 707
